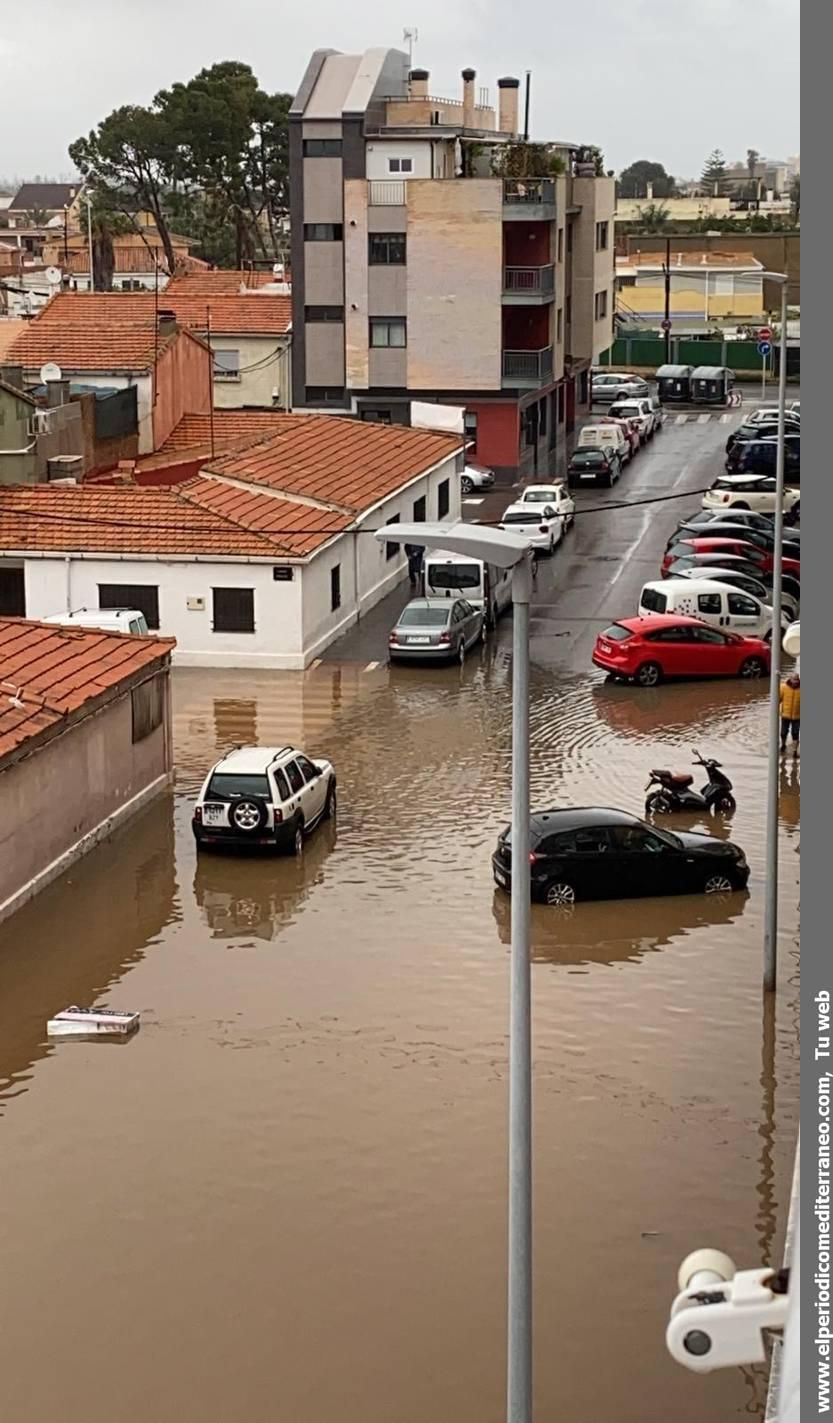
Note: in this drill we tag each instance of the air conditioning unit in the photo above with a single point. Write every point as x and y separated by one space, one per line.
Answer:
66 469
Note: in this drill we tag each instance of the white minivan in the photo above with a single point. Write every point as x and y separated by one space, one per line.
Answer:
604 435
107 619
716 603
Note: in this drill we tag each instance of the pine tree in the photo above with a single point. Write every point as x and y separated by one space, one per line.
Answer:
714 172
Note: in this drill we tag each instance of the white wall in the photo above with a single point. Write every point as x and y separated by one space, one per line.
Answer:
254 387
380 150
276 641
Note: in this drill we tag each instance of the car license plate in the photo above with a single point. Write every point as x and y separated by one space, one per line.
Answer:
588 476
422 640
213 815
605 647
501 878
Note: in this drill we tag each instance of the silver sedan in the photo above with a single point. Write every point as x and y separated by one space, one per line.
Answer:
437 629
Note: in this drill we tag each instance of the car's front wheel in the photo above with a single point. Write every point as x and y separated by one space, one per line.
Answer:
560 893
330 804
740 505
648 675
466 485
718 884
753 668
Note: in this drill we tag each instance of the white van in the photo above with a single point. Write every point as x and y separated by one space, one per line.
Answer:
482 584
716 603
606 435
108 619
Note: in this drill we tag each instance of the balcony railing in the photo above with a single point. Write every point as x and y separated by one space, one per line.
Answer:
386 192
529 281
529 192
527 368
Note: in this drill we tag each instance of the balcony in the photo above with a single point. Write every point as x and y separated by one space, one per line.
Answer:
528 199
386 192
528 286
526 370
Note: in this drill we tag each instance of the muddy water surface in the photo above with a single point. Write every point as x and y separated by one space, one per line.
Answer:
285 1199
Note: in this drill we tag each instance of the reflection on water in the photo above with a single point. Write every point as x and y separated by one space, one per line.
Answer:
286 1198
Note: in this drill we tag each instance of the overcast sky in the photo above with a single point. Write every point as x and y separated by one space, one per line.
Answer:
666 81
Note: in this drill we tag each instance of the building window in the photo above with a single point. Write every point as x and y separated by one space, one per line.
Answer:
559 245
443 499
400 165
601 236
600 306
559 326
470 425
323 313
569 238
391 549
147 707
12 591
324 394
322 147
323 232
234 609
386 249
420 510
542 417
226 365
568 310
143 596
388 331
335 588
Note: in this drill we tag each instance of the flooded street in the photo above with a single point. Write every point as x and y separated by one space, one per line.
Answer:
285 1199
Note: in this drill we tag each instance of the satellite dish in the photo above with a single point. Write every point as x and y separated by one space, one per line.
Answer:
53 276
278 271
49 372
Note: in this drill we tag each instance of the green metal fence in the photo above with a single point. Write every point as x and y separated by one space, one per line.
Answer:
646 353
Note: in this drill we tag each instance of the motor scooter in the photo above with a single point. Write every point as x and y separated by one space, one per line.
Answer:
675 791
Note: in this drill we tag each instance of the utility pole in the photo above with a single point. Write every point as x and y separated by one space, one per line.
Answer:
210 377
526 105
667 323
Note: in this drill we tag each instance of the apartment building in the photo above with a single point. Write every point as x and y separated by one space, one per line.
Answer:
420 270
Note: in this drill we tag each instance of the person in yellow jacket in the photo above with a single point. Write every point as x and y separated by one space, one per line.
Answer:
791 711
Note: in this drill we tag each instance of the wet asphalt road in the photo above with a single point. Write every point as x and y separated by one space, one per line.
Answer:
284 1200
598 570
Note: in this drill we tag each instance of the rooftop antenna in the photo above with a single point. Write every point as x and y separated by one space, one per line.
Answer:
410 36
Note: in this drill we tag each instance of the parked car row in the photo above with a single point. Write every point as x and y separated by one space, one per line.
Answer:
610 442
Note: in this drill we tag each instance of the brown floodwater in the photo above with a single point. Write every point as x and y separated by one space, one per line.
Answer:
284 1200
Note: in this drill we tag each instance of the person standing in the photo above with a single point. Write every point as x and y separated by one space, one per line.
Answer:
790 702
415 554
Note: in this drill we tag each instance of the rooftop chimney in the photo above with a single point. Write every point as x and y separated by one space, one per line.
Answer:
507 118
166 322
12 375
57 393
418 83
469 76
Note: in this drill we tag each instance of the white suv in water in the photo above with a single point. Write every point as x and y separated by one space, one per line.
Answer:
264 795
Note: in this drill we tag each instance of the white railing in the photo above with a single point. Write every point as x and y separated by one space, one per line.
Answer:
386 192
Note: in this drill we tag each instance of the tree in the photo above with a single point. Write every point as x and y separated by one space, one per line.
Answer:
210 155
714 172
653 217
128 160
634 180
527 160
752 160
795 197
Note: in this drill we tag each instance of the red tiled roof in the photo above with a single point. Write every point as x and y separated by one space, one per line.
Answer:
256 314
200 518
349 463
89 345
231 428
216 282
48 672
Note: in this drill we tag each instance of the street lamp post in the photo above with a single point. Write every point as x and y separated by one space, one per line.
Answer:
771 901
507 550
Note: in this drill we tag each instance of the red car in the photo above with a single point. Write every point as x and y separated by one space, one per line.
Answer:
740 548
645 650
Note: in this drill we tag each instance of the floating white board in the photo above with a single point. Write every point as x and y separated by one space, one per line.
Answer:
92 1023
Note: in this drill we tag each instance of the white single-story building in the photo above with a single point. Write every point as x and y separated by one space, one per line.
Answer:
262 560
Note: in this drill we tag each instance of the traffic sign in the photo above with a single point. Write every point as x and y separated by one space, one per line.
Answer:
765 333
764 348
666 325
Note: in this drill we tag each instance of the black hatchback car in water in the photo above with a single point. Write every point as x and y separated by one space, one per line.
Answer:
608 854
